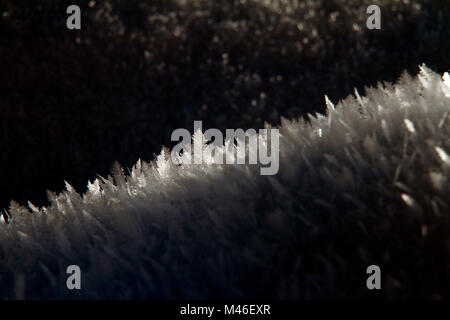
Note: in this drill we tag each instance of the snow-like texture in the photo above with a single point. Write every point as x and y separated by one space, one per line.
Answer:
72 103
366 184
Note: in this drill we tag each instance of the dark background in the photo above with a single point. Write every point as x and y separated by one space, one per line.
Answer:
73 102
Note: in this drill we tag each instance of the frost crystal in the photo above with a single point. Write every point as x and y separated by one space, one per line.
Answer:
375 168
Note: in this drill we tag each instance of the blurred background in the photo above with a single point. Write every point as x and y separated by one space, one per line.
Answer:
72 102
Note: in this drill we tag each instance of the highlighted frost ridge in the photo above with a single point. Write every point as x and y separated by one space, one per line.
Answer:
365 184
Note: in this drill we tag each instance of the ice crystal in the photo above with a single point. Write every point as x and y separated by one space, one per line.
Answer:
357 186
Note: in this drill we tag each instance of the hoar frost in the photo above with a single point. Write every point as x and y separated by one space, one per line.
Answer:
366 183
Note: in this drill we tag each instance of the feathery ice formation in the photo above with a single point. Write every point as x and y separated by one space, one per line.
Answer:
366 184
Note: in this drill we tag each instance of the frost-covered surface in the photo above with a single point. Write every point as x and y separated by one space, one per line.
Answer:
366 184
72 103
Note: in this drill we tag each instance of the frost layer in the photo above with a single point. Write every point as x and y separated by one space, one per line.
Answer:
366 184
